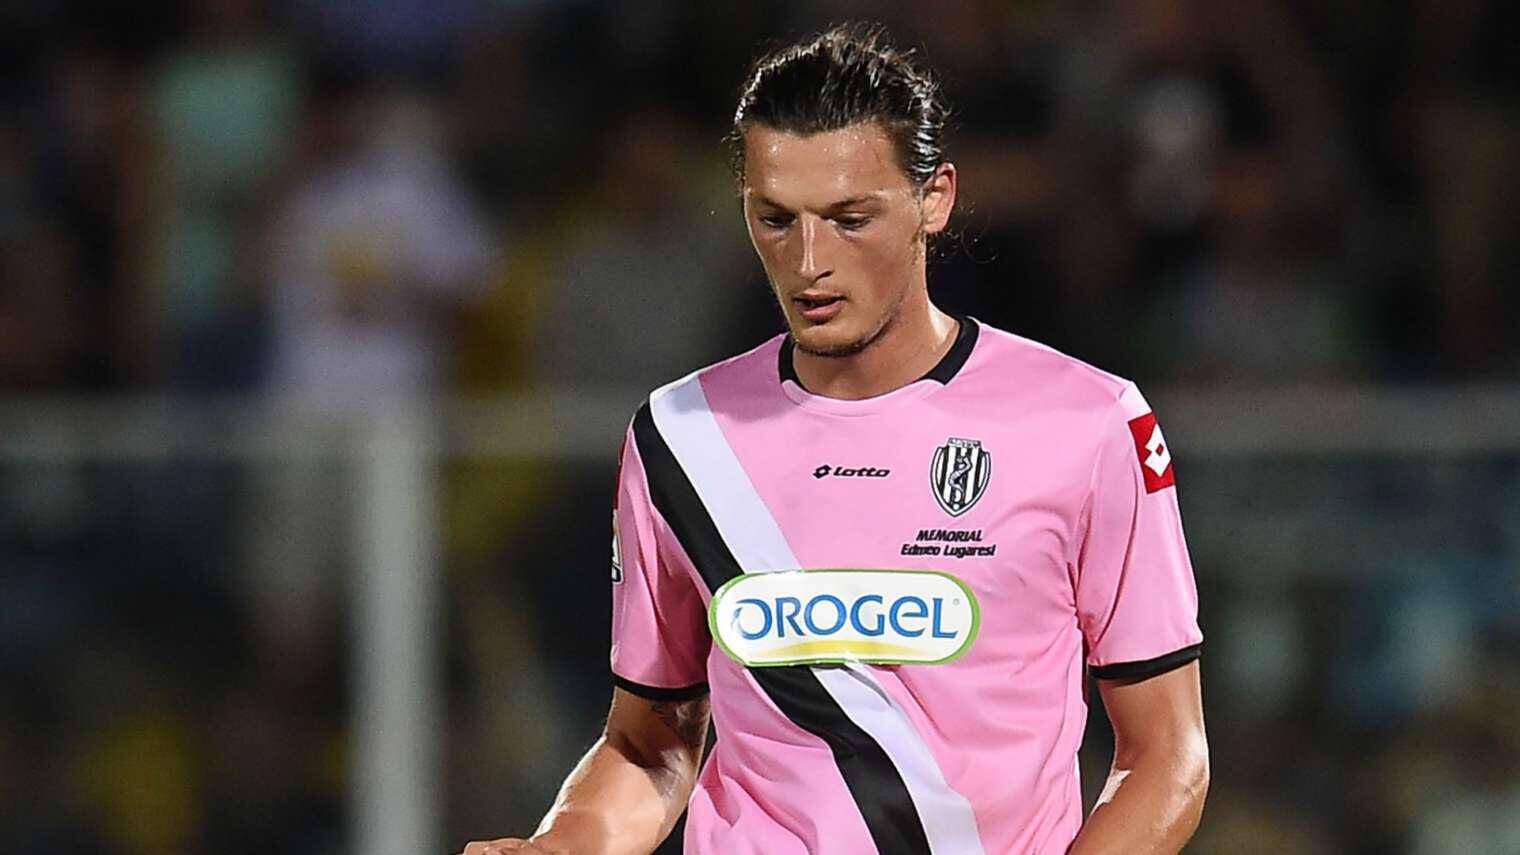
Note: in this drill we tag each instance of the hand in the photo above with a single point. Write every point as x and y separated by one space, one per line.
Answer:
509 846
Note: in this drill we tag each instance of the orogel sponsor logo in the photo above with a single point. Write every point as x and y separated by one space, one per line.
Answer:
809 617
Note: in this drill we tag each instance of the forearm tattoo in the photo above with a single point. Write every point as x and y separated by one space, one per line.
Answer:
686 719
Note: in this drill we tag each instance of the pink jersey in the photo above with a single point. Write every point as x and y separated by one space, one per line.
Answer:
893 711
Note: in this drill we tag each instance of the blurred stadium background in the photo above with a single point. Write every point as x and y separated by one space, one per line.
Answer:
320 322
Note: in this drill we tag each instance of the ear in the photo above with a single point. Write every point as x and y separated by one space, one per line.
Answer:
938 199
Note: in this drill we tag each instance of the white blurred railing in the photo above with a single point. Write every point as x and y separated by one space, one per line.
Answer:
394 449
1204 422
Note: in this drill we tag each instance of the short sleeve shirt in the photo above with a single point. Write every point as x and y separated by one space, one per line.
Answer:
894 602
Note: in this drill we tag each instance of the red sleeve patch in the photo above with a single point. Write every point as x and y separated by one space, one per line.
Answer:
1155 456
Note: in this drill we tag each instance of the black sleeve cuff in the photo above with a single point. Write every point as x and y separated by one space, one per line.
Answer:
655 693
1150 667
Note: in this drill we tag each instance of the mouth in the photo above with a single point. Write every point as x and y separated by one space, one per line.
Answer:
818 307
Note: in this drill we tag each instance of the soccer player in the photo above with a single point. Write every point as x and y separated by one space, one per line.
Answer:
883 550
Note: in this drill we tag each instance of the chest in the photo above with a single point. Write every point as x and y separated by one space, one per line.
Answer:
993 501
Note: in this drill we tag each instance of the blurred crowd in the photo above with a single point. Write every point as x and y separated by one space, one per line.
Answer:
336 200
344 203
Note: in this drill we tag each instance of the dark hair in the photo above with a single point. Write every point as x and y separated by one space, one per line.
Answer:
847 75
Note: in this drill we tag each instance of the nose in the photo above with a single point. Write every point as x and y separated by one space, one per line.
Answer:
816 255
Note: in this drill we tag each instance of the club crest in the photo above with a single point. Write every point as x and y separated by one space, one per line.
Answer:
959 474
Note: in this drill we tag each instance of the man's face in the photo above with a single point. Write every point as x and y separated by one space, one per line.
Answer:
840 229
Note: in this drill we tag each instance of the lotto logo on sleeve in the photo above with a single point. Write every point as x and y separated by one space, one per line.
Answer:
1155 457
809 617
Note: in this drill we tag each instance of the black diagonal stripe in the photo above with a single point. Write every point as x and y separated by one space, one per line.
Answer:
878 789
875 783
677 502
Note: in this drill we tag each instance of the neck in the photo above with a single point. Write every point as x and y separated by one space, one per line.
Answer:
913 343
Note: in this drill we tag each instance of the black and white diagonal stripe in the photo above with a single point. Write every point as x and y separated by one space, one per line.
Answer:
703 493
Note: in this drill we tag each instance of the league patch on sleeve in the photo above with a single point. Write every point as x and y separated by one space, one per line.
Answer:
617 545
617 551
1155 457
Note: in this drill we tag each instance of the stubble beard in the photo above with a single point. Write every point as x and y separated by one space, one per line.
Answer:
850 348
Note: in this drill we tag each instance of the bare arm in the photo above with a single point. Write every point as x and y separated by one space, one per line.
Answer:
1154 795
628 791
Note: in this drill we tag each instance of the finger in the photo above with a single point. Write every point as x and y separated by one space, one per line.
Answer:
497 847
493 847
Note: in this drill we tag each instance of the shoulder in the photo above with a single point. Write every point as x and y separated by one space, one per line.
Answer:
1042 377
755 368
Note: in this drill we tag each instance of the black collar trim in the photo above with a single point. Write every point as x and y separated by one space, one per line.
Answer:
948 366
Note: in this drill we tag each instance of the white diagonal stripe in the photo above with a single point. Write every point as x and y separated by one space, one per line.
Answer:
681 414
949 822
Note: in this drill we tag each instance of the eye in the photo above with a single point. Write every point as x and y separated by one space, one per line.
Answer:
852 222
775 221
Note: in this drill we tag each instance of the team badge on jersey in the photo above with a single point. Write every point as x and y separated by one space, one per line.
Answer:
959 474
1155 457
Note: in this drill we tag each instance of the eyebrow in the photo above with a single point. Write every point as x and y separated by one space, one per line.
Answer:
836 206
